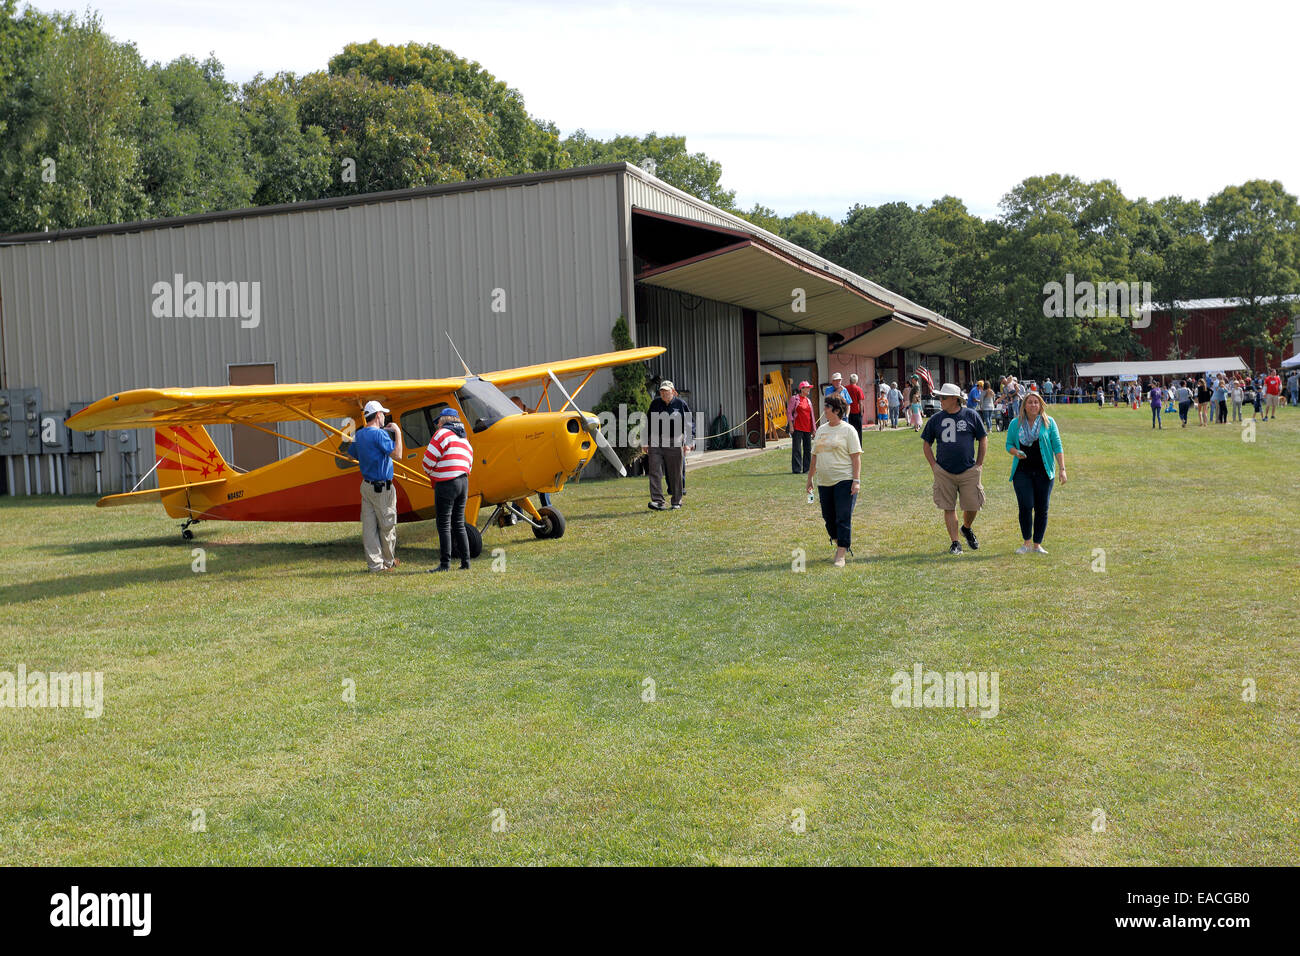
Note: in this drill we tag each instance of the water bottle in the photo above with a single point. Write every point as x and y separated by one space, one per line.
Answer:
811 496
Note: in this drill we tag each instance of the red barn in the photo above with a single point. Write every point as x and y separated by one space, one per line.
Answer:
1205 332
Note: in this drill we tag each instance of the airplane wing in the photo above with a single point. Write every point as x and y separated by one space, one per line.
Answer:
240 404
539 374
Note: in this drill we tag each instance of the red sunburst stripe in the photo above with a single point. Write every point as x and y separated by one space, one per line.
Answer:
179 450
200 445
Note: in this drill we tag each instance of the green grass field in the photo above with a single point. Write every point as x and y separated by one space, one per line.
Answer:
522 690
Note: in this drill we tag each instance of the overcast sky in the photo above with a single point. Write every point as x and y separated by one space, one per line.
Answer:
821 104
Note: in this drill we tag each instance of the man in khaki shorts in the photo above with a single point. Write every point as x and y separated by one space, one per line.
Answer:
958 465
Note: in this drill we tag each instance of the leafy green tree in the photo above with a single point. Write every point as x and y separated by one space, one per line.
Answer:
891 245
966 241
808 229
290 161
397 137
85 104
764 218
1053 227
1175 255
193 141
1256 254
23 41
518 142
694 173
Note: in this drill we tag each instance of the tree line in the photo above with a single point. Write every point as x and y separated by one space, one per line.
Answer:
92 134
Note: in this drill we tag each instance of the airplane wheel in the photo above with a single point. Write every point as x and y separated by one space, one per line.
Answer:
552 524
187 534
475 541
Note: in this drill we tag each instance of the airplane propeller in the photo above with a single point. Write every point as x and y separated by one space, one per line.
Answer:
592 424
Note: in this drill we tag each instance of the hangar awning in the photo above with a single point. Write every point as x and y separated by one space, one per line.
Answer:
891 333
1172 367
748 272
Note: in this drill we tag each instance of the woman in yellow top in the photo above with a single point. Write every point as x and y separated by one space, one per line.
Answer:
837 467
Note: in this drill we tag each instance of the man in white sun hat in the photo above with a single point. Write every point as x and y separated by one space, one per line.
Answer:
961 440
376 447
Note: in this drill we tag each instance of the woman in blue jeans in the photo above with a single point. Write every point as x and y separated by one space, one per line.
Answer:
1034 441
1157 399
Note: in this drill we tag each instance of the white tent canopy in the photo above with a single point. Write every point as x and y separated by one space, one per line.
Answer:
1292 362
1176 367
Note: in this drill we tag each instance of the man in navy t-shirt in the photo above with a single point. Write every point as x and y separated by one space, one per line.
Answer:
960 441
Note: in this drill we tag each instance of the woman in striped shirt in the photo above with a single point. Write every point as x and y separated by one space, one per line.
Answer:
447 462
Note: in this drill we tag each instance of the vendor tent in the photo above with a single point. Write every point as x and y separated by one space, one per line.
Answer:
1145 369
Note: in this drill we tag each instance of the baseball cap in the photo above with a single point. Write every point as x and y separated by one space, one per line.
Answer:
836 377
449 412
373 406
805 384
666 383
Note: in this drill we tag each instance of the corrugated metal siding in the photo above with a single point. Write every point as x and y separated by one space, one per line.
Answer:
363 292
705 357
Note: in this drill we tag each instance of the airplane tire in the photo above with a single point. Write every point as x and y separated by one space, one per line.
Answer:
552 524
475 540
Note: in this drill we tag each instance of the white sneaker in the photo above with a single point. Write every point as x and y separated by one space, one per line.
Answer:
1023 549
1039 549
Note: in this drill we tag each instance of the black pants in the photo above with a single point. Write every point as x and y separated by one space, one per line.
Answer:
855 419
1033 494
450 497
1183 409
1223 411
838 501
800 452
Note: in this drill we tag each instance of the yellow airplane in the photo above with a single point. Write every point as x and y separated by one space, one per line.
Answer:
516 455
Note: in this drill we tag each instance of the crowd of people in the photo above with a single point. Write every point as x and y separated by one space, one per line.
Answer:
1217 398
828 449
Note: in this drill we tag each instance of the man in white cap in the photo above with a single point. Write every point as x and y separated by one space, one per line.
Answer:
670 438
958 465
376 447
836 387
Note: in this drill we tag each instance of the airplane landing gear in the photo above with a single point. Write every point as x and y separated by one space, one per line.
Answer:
186 533
551 525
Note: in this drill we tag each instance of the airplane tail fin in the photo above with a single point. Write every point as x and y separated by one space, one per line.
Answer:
186 454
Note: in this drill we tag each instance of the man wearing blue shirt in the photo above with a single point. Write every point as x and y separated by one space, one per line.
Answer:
955 463
376 447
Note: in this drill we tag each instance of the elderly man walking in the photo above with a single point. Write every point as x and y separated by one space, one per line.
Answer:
961 441
376 447
670 439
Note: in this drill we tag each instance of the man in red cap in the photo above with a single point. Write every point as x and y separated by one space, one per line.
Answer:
799 414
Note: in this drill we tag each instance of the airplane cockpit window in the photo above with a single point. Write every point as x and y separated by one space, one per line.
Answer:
484 404
419 423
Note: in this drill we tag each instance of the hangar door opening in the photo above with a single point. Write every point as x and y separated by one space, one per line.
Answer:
253 449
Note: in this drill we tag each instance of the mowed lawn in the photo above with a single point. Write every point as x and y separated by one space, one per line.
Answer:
515 697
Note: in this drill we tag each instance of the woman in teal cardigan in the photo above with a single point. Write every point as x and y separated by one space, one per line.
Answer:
1034 441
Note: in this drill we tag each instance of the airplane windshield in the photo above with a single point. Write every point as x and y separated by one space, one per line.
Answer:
484 404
